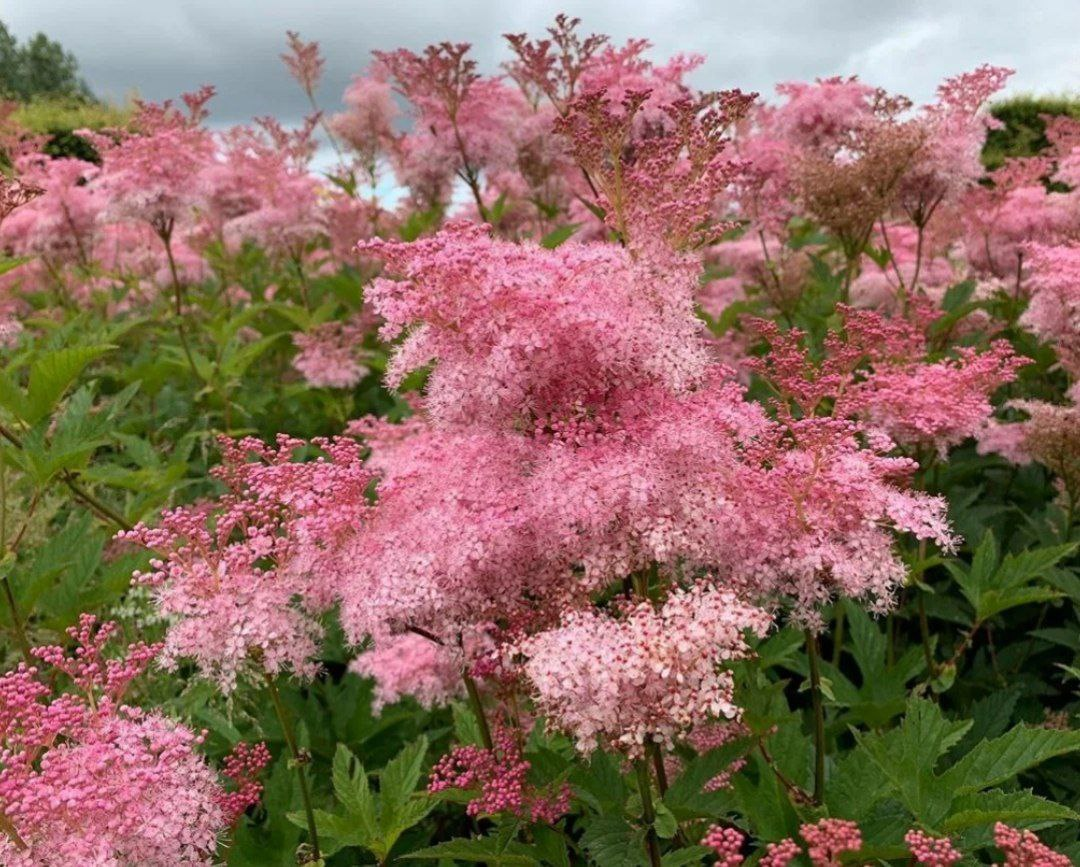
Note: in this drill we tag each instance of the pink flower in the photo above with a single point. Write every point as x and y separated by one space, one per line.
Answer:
410 665
727 843
245 577
932 851
1024 849
828 839
328 355
499 779
649 675
85 779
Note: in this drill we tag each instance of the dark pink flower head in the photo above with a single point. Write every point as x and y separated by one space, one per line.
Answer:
303 61
553 67
85 779
666 186
498 779
829 839
727 843
932 851
1024 849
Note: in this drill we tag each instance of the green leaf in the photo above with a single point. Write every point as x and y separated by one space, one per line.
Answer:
665 824
558 236
907 755
352 790
51 375
681 857
490 850
1013 808
551 846
8 263
601 784
612 842
397 781
686 797
996 761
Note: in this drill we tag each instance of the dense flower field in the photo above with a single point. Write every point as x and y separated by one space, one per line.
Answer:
660 478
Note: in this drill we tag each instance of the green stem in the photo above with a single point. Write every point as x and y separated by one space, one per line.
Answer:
819 716
924 630
478 709
80 494
178 304
838 635
299 760
648 814
16 622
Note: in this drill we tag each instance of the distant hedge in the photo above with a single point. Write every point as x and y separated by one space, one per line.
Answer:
59 117
1024 132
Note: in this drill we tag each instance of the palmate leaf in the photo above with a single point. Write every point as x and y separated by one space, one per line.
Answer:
992 585
372 821
907 755
882 692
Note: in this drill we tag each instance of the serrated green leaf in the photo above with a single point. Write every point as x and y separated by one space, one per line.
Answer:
995 761
1013 808
611 841
558 236
52 374
352 790
488 850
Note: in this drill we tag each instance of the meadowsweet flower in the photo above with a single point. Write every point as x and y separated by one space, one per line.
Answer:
1054 311
666 186
520 333
410 665
781 853
499 778
151 175
727 843
304 61
1024 849
242 767
1050 435
932 851
328 355
828 839
85 779
245 577
648 675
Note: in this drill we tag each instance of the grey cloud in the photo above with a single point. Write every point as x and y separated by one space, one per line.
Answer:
164 48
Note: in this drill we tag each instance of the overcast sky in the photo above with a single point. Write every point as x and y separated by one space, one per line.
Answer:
164 47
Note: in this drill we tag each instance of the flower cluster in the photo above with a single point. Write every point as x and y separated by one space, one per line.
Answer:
86 779
244 578
499 778
647 676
